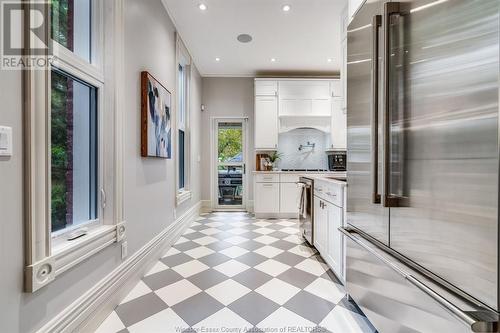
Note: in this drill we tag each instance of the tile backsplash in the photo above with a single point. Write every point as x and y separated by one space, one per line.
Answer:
308 158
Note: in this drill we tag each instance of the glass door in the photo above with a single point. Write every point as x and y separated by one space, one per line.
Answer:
230 164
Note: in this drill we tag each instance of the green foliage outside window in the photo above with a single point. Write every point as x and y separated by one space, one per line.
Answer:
230 143
59 150
60 10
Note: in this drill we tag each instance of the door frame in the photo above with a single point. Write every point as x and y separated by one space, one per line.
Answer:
214 179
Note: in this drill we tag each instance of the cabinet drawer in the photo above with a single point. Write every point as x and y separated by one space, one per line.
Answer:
329 192
267 178
267 198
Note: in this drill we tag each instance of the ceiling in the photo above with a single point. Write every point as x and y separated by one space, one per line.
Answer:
301 40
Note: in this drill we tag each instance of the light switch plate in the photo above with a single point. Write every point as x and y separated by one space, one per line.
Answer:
5 141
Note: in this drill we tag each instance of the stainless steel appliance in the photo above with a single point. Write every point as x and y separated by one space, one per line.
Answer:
337 161
423 163
306 218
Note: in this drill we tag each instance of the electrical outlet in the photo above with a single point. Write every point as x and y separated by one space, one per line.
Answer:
124 249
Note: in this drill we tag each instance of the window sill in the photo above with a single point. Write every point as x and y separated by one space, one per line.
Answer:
68 254
71 253
183 196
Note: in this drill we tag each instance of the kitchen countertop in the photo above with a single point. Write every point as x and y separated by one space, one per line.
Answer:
333 173
330 180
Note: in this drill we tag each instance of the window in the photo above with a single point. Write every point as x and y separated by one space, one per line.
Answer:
74 133
182 126
183 149
74 167
71 26
67 109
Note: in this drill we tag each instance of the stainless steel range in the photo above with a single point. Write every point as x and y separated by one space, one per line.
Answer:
423 165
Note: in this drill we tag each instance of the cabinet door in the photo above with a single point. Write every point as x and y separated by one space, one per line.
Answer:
320 232
266 123
339 125
266 88
336 88
335 239
304 89
289 193
267 198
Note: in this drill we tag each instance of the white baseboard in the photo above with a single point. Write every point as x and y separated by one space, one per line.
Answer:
250 206
88 311
206 206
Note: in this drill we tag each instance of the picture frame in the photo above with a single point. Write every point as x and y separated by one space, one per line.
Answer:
156 118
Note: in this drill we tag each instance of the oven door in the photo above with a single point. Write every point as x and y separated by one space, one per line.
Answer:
306 215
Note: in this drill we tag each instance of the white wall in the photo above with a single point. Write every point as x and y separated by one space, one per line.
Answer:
149 184
226 97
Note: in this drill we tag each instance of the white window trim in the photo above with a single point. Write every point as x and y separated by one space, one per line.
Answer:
183 58
46 259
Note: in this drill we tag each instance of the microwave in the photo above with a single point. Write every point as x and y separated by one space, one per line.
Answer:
337 161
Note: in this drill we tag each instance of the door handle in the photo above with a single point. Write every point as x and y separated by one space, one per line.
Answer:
376 24
389 200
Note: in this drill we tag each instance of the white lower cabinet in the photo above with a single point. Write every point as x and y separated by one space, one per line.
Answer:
267 198
334 251
320 226
289 193
328 218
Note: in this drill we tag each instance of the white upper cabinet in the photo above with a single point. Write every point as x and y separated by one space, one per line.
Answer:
338 129
304 89
305 98
266 88
287 104
266 122
336 88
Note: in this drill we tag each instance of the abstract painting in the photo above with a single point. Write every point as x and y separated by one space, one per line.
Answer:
156 133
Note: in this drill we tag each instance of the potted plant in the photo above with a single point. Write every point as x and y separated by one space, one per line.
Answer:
273 159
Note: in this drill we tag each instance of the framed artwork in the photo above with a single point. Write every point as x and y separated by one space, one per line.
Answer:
156 130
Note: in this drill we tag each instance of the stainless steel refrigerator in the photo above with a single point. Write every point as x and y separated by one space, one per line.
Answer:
422 238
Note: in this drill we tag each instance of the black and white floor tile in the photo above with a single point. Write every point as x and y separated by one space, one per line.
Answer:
232 273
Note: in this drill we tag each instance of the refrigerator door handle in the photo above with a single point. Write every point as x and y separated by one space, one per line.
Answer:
389 200
376 24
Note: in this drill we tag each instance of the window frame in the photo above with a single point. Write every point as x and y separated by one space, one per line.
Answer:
65 66
48 255
183 59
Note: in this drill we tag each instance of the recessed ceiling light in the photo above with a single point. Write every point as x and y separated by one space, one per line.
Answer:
286 8
244 38
273 59
217 59
202 6
329 59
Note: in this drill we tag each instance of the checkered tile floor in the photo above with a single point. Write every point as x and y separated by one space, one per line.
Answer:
232 271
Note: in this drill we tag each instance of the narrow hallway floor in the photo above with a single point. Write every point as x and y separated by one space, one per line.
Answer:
230 271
